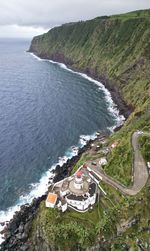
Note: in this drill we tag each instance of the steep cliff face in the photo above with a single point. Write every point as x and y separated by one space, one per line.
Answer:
116 51
113 49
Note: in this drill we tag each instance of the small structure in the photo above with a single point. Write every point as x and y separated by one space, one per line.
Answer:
64 206
105 150
51 200
77 191
103 161
82 202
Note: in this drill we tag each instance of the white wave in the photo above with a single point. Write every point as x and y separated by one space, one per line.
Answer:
112 107
38 58
40 188
63 160
6 216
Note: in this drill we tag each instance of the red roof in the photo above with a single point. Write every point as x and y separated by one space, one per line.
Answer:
78 174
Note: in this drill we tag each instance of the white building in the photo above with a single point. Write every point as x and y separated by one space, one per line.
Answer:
82 202
77 191
103 161
51 200
64 206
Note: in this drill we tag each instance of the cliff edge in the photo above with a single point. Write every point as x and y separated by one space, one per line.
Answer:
114 50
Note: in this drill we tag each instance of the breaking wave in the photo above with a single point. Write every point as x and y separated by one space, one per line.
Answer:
40 188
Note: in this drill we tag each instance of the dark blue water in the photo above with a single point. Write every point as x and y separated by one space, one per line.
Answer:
43 111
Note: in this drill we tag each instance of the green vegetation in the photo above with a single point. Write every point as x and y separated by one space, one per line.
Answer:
137 208
69 229
85 157
134 14
78 228
145 147
116 48
57 227
121 158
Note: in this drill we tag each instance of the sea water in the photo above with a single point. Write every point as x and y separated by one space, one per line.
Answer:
44 109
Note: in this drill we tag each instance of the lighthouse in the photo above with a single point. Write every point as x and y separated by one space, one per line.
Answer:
78 181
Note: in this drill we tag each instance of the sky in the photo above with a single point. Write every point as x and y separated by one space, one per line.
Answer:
27 18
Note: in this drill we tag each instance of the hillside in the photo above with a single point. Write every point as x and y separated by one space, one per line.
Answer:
115 50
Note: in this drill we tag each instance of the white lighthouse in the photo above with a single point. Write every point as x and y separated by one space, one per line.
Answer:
78 181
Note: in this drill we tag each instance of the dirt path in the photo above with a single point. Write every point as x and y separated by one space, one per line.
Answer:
140 171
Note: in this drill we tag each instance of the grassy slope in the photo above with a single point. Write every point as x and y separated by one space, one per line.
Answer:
68 229
120 160
117 47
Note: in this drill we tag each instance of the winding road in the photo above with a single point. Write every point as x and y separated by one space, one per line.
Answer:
140 170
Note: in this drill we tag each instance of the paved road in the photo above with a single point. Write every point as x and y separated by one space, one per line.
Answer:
140 171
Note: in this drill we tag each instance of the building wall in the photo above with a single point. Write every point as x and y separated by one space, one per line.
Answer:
63 193
48 204
82 205
64 207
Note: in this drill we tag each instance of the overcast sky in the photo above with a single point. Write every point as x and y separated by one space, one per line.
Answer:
26 18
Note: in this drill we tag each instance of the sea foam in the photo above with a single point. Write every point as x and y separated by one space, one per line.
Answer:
112 107
40 188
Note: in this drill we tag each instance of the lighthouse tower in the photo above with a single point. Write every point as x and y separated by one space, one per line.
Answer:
78 181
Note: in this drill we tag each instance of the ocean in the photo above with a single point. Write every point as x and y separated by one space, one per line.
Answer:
44 109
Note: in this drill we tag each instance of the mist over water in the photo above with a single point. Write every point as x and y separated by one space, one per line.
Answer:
44 108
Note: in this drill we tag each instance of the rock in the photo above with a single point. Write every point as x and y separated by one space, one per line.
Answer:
19 236
24 247
21 228
24 236
17 230
7 235
27 227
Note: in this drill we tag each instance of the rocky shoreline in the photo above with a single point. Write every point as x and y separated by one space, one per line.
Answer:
17 231
124 109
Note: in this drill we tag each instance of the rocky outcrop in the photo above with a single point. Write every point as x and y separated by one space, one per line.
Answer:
42 245
110 51
113 50
17 231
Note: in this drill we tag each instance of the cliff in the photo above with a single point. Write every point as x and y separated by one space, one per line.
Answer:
112 49
116 51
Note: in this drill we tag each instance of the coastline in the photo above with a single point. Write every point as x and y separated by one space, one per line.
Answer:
17 229
26 213
123 108
41 187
